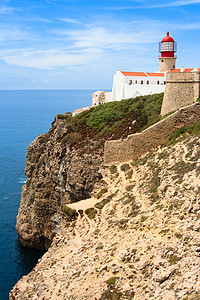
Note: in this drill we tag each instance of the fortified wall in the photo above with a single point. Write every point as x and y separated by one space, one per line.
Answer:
138 144
182 88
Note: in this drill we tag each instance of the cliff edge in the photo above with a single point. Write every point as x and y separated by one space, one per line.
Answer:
141 239
56 175
123 231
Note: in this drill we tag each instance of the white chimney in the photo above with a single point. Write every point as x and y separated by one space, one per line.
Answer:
182 69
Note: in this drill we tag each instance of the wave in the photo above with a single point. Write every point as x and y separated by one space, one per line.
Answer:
22 180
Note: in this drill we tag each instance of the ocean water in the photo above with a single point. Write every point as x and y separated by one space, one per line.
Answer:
23 116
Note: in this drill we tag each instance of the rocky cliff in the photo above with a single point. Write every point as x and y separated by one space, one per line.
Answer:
121 231
62 166
56 175
138 238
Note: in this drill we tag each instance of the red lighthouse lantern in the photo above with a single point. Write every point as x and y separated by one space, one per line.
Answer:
167 47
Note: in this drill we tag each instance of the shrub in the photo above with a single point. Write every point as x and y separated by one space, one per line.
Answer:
193 129
177 133
125 167
129 174
196 128
129 187
113 169
43 138
111 116
72 138
69 212
104 131
174 259
111 120
60 116
112 293
91 212
101 204
111 281
101 192
143 218
103 115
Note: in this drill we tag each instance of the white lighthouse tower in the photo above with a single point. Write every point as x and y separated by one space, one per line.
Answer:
167 48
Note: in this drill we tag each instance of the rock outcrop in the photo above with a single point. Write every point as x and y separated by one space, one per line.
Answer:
56 175
140 241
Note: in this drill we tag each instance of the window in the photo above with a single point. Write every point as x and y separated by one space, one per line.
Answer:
136 81
167 46
173 66
147 81
161 60
141 81
130 82
164 82
158 82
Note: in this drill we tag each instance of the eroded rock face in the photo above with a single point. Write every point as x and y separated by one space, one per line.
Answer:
142 243
56 176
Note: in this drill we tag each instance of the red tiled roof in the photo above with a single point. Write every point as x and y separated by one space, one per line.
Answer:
186 70
140 74
156 74
143 74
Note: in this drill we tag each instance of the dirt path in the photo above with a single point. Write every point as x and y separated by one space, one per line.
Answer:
84 204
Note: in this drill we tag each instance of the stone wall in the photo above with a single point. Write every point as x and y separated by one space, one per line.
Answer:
79 110
136 145
182 88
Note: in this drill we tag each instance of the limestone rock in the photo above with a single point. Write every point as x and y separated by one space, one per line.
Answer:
56 176
143 241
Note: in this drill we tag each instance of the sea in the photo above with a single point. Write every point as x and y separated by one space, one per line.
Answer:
23 116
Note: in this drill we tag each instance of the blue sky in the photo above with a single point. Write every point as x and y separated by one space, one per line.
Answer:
70 44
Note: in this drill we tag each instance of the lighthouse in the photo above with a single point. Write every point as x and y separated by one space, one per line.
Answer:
167 48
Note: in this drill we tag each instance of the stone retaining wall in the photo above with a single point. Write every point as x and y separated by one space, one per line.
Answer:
136 145
182 88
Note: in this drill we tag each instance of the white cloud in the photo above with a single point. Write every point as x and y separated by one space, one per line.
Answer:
100 37
9 34
51 1
87 46
187 26
184 2
177 3
84 47
159 5
4 10
68 20
39 19
48 59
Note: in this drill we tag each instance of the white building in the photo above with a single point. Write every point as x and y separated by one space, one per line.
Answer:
100 97
132 84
